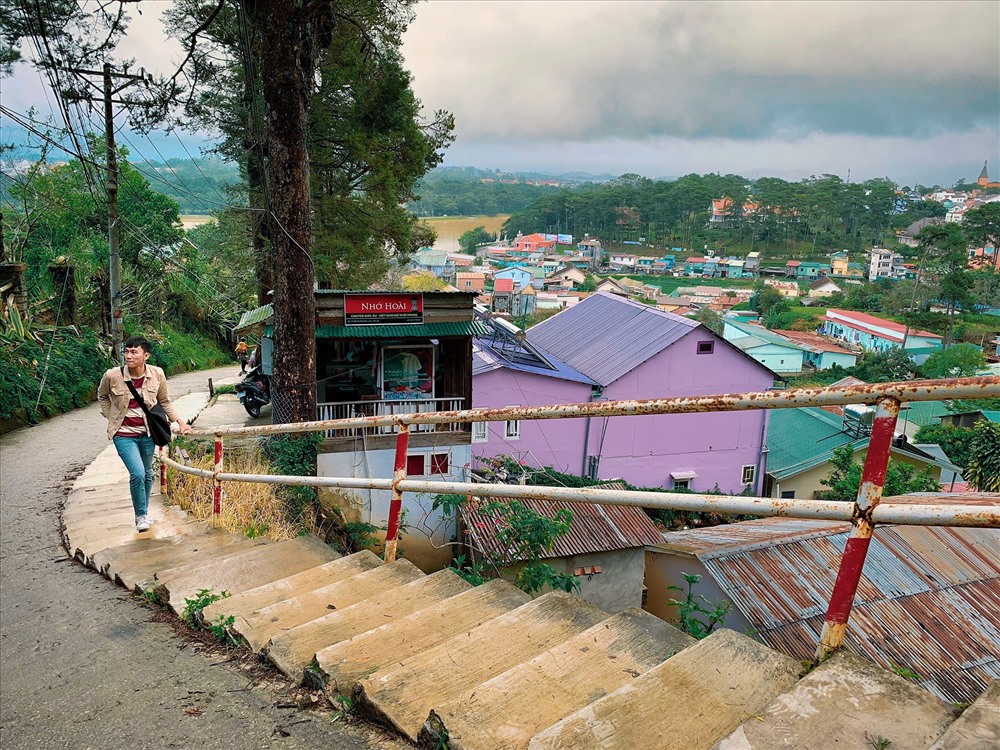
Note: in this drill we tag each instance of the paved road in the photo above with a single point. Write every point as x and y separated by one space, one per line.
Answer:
81 664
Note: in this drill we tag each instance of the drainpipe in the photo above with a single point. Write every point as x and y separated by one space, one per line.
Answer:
762 461
595 393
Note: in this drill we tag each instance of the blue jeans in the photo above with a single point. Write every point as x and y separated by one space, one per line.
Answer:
137 455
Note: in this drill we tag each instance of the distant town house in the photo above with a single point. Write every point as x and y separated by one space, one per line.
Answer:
878 334
526 244
609 348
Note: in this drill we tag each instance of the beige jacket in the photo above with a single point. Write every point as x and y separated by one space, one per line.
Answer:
113 395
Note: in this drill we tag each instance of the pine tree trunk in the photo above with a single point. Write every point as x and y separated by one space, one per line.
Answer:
287 72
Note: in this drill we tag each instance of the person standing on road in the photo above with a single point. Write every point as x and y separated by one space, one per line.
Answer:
127 426
242 352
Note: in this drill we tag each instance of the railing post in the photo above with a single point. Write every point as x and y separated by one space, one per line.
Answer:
217 488
858 541
396 505
164 451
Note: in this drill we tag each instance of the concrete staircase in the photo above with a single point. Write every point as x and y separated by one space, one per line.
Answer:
487 667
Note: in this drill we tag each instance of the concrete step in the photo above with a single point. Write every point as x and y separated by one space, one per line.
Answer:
138 570
687 703
978 728
109 561
246 602
292 651
505 712
243 571
458 609
404 693
848 701
118 520
85 547
258 627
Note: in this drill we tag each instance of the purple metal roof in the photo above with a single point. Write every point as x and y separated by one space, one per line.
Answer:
929 597
606 336
595 528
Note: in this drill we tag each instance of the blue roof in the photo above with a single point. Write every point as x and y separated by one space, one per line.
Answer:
606 336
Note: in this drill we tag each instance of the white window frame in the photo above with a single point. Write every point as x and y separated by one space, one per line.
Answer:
480 432
681 484
512 427
752 469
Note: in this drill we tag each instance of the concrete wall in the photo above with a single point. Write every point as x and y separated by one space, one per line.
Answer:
426 543
617 587
778 358
666 568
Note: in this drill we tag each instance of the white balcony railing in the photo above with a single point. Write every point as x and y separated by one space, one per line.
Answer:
385 408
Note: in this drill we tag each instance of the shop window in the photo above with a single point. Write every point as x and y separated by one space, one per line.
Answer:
439 463
407 372
415 465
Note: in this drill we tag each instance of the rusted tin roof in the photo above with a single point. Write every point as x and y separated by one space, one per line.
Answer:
928 600
595 528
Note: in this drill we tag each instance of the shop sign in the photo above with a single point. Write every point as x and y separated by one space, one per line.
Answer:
383 309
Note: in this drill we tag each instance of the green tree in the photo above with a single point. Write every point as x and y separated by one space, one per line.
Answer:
844 479
473 238
765 297
710 319
893 364
944 247
982 227
956 442
983 468
960 360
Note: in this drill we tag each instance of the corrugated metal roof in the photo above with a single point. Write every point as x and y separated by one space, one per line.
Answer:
928 599
798 439
595 528
420 330
606 336
255 316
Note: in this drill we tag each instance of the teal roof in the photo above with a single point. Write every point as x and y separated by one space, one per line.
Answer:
923 412
253 317
762 334
993 416
418 330
800 439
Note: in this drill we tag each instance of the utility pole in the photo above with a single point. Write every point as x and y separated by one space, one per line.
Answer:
108 91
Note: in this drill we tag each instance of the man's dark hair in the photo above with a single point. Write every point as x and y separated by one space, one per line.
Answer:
133 341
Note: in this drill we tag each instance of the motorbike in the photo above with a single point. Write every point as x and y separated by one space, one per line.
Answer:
254 391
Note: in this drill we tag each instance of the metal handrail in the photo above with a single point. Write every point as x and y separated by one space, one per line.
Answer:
864 514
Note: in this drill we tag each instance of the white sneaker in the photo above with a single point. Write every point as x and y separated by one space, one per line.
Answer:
142 523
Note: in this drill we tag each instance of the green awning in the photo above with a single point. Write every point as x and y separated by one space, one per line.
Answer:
253 317
417 331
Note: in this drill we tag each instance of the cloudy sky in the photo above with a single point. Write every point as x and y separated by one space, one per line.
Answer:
906 90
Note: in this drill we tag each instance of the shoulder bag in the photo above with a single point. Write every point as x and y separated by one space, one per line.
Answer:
156 418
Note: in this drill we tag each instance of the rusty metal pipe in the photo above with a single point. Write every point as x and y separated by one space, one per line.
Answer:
869 495
915 390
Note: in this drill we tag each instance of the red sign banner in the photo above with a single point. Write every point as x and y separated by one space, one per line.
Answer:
383 309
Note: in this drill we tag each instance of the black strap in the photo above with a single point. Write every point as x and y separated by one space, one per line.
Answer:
142 403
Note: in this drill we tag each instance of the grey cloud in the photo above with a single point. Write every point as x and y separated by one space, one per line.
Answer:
740 70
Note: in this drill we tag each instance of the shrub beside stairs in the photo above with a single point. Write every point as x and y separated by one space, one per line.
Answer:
489 668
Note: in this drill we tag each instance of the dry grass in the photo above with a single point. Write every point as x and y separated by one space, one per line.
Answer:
248 508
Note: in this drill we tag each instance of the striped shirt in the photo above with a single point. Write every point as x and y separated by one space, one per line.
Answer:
134 424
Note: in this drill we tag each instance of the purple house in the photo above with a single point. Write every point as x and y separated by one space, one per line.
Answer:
608 348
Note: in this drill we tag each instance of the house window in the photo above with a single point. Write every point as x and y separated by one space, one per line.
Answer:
706 347
480 432
415 465
788 494
749 474
439 463
682 484
512 429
